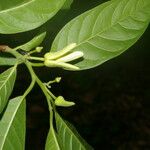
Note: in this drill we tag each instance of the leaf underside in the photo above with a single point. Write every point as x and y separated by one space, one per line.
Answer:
105 31
7 80
12 125
52 142
69 137
33 43
67 4
19 16
5 61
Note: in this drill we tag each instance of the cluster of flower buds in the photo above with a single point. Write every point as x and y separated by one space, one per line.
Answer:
62 57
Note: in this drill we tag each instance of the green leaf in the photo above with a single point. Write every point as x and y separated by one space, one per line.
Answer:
67 4
7 61
7 80
19 16
12 125
52 142
69 137
36 41
106 31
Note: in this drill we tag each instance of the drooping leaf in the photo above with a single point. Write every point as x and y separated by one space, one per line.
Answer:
7 80
105 31
12 125
69 137
5 61
36 41
18 16
52 142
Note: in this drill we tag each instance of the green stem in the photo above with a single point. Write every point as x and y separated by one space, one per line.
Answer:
50 93
43 88
14 53
35 58
29 88
51 118
35 78
20 58
37 64
41 85
31 84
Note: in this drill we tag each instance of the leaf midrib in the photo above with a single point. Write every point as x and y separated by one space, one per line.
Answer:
10 123
72 133
6 80
56 141
16 7
104 30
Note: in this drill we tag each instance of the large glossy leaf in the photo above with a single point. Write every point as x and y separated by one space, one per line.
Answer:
12 125
69 137
105 31
18 16
52 142
7 80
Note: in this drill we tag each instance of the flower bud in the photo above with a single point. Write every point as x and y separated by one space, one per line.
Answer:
58 54
39 49
52 63
60 101
72 56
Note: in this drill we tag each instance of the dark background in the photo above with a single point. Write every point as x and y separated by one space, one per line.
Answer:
112 101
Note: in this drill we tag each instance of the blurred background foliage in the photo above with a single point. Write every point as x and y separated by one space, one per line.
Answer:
112 101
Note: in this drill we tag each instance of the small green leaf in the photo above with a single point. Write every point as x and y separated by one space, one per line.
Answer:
52 142
12 125
19 16
5 61
7 80
69 137
105 31
36 41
